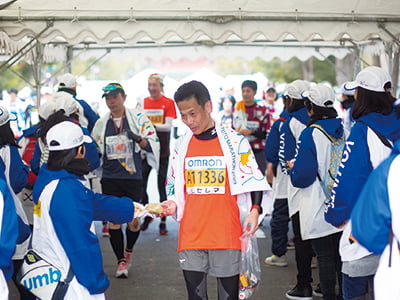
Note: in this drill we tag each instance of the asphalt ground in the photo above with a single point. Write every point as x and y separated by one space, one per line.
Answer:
155 273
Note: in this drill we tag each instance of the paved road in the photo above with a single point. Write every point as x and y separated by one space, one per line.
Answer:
155 273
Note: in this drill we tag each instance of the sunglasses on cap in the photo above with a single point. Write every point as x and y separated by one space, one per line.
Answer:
112 87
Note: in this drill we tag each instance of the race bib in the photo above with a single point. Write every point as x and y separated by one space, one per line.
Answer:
205 175
156 116
118 147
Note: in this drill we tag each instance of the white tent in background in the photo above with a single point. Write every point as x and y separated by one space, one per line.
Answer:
211 80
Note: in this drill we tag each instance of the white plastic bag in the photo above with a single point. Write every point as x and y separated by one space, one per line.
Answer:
250 271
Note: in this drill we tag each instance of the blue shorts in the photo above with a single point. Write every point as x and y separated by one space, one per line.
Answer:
353 287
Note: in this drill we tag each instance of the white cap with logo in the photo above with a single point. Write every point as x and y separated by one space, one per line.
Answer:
321 95
5 116
66 135
371 78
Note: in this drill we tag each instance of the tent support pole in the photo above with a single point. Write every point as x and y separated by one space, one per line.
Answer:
22 51
94 62
395 39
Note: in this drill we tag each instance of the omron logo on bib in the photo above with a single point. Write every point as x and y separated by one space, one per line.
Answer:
205 175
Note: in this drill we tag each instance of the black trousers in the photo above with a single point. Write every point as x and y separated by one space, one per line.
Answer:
303 253
329 264
161 179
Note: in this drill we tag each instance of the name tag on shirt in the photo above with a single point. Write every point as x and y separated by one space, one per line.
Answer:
253 125
205 175
156 116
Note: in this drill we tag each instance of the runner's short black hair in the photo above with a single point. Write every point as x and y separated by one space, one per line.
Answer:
251 84
194 89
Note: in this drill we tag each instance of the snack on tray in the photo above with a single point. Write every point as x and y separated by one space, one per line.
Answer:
154 208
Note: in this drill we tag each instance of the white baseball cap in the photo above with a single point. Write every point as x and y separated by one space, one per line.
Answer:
47 108
5 116
343 91
296 89
67 81
65 101
371 78
65 135
321 95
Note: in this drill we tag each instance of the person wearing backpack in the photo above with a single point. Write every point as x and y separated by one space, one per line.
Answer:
369 143
315 157
289 135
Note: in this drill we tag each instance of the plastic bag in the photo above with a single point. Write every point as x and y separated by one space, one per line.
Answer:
250 271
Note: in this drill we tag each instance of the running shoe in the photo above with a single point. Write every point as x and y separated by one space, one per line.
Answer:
128 258
163 228
300 293
105 231
146 223
274 260
122 270
317 292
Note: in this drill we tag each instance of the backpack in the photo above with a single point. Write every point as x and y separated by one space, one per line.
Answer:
27 155
337 146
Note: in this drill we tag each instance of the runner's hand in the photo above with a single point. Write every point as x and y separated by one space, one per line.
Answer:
169 207
250 224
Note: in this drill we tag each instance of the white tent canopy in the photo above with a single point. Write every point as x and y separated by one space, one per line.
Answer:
189 21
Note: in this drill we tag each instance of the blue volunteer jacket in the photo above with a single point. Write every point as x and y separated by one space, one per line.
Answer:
271 150
72 217
9 230
89 114
17 177
92 155
287 150
371 218
305 170
18 174
356 164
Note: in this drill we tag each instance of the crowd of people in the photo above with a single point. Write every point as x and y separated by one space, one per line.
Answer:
333 179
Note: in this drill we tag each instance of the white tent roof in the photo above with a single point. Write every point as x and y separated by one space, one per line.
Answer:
209 21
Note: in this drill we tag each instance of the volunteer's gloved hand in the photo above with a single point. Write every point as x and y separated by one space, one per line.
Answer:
134 137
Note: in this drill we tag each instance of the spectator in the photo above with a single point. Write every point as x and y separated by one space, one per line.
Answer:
252 121
227 106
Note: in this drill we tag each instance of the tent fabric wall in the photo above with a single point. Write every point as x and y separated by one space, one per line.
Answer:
189 21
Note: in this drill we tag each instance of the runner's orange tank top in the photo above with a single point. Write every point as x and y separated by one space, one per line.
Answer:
211 219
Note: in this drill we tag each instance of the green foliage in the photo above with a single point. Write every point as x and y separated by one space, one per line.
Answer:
278 71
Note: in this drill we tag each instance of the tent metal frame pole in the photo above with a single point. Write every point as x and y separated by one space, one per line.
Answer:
382 26
49 24
94 62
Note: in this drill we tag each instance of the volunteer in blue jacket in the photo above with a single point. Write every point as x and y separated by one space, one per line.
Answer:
370 142
62 225
8 236
376 223
279 181
15 173
310 168
290 133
